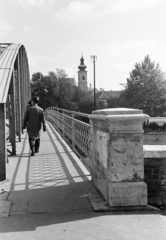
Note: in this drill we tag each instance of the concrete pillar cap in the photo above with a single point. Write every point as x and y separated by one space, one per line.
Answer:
117 111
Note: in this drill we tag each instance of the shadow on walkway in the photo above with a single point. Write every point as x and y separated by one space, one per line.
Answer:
52 188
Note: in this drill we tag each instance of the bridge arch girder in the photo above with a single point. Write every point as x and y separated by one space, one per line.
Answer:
14 95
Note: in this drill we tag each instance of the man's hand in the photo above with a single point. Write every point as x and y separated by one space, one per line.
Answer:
44 128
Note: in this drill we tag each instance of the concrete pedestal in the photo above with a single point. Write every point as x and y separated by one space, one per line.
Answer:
117 163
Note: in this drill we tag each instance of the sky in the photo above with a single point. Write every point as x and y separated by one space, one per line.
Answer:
56 32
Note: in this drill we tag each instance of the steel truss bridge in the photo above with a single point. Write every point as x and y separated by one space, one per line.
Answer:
14 96
15 93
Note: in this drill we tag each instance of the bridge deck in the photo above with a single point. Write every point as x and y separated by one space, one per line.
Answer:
49 181
46 198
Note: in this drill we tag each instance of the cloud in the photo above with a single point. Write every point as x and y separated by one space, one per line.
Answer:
27 29
35 2
130 5
83 11
37 62
116 49
75 11
5 28
69 71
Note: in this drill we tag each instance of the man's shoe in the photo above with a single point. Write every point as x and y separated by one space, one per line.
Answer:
32 154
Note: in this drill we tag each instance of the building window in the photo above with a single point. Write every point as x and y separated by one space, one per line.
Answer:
83 78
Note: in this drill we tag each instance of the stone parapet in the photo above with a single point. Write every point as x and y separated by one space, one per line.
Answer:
155 174
117 163
155 138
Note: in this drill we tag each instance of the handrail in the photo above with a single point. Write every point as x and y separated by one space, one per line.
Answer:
68 112
75 132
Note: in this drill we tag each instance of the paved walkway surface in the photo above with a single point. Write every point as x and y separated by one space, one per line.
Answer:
46 197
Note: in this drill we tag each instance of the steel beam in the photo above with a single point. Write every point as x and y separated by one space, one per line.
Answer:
13 110
3 153
19 98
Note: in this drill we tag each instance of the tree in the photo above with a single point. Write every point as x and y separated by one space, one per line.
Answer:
37 77
65 94
43 89
60 73
78 94
146 88
86 105
53 89
113 102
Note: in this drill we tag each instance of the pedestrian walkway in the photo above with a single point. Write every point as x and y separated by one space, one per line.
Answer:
45 182
46 197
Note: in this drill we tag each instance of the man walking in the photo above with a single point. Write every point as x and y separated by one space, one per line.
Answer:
33 120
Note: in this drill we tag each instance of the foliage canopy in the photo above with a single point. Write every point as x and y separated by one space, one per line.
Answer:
146 88
55 89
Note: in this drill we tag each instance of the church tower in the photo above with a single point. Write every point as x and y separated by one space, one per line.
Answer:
82 75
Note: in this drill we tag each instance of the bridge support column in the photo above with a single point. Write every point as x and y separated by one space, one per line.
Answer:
13 120
3 153
117 164
18 99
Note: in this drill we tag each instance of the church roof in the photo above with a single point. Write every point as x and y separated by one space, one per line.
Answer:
114 94
72 81
104 95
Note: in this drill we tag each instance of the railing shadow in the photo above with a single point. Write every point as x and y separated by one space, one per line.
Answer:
55 188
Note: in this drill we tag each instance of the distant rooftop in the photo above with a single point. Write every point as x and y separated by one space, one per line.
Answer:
72 81
107 94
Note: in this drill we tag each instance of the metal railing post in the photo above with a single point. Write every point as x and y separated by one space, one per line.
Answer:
63 124
52 119
74 131
72 126
57 119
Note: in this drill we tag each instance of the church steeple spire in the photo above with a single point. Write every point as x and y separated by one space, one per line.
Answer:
82 75
82 66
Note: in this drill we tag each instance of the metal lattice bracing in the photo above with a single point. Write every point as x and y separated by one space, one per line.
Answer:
14 96
76 133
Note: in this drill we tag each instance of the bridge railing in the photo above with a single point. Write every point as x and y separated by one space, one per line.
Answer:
74 127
